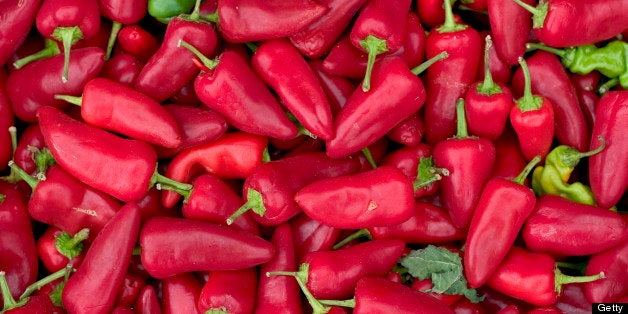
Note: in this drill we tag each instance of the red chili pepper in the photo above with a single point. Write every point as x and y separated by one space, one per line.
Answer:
130 289
172 246
122 68
497 219
232 156
253 20
280 65
431 12
533 120
68 21
548 78
510 24
613 262
232 291
488 103
448 80
608 169
469 161
18 253
586 86
380 197
121 13
566 23
6 121
378 29
102 271
409 160
310 235
500 70
426 285
147 302
57 248
270 189
576 229
408 132
101 159
170 67
137 41
279 293
509 160
338 89
35 304
214 201
345 60
180 293
334 274
35 85
532 277
30 153
18 18
229 86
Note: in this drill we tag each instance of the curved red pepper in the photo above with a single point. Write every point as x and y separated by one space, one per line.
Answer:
549 79
408 159
172 246
122 68
252 20
561 227
470 162
310 235
509 160
277 294
101 159
608 169
232 291
380 197
368 116
499 215
232 156
35 85
270 189
316 39
103 269
6 121
448 80
121 12
147 301
510 25
338 89
116 107
54 257
18 18
283 68
500 70
137 41
426 285
18 252
613 262
408 132
68 21
130 289
431 12
180 293
171 66
586 85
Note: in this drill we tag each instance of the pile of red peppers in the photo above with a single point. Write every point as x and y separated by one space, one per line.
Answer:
313 156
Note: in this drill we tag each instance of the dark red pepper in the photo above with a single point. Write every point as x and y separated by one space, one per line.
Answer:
408 159
17 21
172 246
608 169
231 291
130 289
310 235
431 12
147 301
500 70
137 41
586 86
338 89
123 68
408 132
121 12
57 248
6 121
613 262
103 269
510 24
509 160
180 293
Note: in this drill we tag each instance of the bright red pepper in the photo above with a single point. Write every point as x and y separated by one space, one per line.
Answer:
380 197
180 293
408 132
253 20
232 156
509 160
431 12
172 246
102 271
470 161
170 67
510 24
310 235
408 159
68 21
116 107
137 41
566 23
123 68
532 277
426 285
281 66
18 252
35 85
500 70
533 120
6 121
608 169
338 89
147 301
130 289
316 39
270 189
561 227
379 28
18 18
499 215
232 291
279 293
56 248
613 262
548 78
121 12
31 154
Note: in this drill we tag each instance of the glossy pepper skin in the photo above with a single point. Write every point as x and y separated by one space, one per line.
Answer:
6 121
35 85
233 291
112 247
18 17
180 293
198 246
608 169
253 20
310 235
121 12
613 262
395 94
510 24
380 197
561 227
51 257
137 41
282 67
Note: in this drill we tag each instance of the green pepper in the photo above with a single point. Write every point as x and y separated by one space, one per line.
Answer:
554 176
165 10
610 60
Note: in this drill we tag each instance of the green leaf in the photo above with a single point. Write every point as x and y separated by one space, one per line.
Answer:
55 295
443 267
